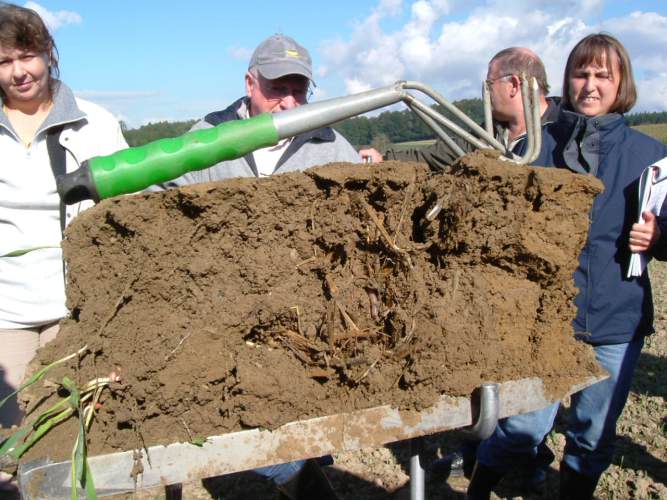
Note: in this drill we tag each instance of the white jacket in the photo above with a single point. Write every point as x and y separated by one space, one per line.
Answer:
32 285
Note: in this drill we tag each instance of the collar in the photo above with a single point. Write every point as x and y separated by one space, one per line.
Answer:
243 110
581 138
65 110
552 111
573 123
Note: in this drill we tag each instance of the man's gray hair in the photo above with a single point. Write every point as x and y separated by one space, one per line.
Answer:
518 60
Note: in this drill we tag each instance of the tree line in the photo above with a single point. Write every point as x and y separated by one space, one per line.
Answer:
154 131
387 127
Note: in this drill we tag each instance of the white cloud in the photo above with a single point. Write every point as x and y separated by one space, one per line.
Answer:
652 94
644 34
452 54
240 53
390 7
318 94
355 86
54 19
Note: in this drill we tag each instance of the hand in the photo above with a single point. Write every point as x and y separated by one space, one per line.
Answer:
643 236
370 155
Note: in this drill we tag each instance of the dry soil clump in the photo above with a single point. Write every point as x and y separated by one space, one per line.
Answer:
252 303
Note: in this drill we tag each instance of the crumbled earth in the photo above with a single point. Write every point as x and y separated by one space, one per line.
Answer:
252 303
639 469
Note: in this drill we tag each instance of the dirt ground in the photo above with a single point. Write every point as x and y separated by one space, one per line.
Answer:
252 303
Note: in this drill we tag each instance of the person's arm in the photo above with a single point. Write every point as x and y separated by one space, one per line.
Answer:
438 156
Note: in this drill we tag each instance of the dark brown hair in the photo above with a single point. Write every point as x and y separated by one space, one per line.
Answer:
518 60
600 49
23 29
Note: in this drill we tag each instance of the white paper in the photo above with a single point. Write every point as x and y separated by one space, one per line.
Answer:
652 191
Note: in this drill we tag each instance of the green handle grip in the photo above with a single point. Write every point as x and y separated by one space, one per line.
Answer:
133 169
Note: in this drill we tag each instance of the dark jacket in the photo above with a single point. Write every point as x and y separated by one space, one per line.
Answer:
611 308
439 155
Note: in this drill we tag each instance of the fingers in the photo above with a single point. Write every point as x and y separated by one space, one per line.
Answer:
649 217
640 238
643 236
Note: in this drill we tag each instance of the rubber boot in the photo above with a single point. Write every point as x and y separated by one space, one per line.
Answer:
575 485
311 483
483 480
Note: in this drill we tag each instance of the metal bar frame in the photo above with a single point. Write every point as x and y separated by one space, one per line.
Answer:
245 450
311 116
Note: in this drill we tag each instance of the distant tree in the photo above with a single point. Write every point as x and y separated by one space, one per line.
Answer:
357 130
402 126
392 126
154 131
647 118
381 143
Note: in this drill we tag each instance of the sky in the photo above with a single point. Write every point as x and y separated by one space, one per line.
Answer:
155 60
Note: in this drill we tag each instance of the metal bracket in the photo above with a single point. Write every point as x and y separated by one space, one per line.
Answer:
489 409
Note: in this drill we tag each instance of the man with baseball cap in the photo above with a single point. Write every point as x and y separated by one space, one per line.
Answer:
279 77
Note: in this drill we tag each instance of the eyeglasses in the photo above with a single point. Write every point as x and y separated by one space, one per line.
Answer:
274 91
491 81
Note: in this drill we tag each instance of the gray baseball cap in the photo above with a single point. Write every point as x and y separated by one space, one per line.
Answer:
278 56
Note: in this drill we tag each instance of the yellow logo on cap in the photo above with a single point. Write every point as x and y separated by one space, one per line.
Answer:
292 53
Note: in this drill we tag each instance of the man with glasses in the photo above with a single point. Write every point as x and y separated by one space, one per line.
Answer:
279 78
510 129
502 77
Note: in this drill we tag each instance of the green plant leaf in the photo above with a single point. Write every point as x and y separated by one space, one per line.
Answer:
40 374
74 488
91 494
198 441
56 408
40 431
79 460
10 443
73 398
23 251
80 454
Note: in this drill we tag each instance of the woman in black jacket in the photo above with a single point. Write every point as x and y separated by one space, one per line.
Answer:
614 313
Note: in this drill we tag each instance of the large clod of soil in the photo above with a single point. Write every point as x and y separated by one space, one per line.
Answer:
256 302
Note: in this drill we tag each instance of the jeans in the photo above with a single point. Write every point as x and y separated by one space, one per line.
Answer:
591 423
281 473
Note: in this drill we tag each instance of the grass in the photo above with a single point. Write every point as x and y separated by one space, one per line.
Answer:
400 146
657 130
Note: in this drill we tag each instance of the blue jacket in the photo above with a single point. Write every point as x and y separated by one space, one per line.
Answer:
611 309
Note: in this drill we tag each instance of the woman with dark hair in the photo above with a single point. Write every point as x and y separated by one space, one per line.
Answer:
44 129
614 313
